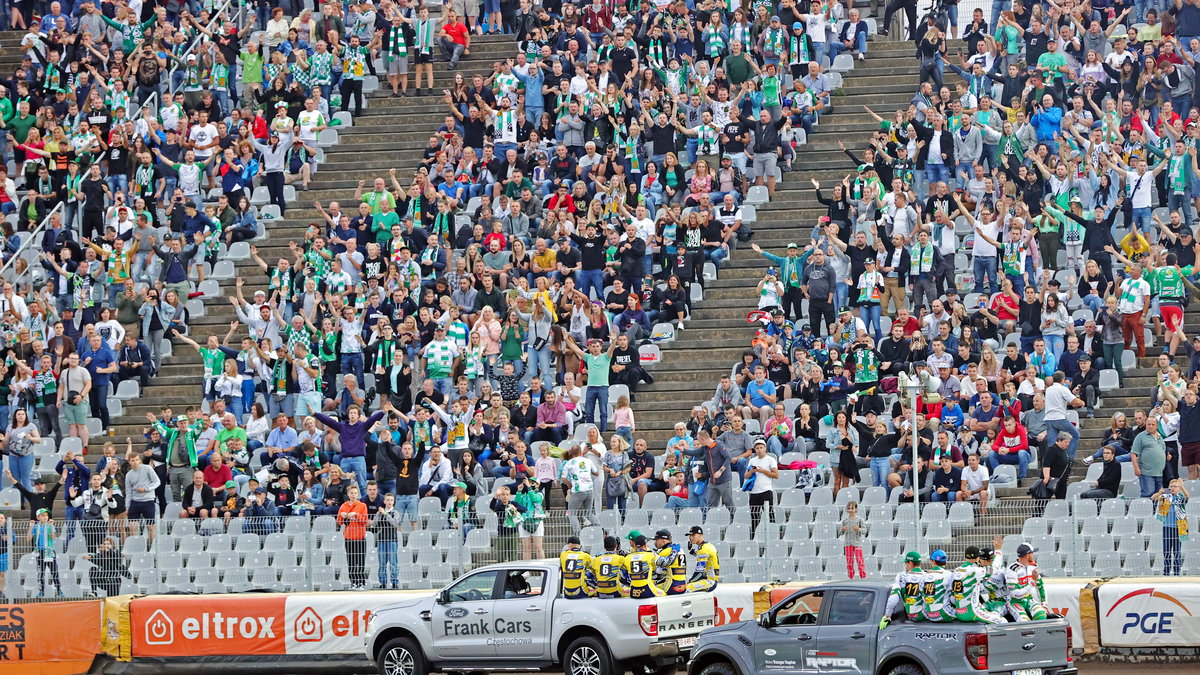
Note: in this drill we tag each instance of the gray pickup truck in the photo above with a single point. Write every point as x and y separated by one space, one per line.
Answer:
834 628
512 617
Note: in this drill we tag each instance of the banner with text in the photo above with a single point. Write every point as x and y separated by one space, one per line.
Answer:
49 639
1149 612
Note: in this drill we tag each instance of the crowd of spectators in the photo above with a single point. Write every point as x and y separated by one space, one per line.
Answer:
444 335
1004 239
420 342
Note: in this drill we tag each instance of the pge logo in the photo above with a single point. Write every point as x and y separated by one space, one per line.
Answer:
1153 623
160 629
307 627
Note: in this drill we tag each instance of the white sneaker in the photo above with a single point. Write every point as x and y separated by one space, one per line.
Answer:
861 57
680 326
1088 460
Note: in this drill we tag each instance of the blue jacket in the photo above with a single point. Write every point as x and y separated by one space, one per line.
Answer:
1047 123
78 476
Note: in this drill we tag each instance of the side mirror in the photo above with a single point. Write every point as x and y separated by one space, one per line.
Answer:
443 597
765 620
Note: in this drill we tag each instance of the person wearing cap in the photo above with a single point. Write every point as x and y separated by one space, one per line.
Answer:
1086 384
791 271
706 567
608 571
670 564
906 591
229 503
575 564
819 283
1024 587
966 600
773 43
42 535
640 566
936 588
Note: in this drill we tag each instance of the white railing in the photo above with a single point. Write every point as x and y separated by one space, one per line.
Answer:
216 20
32 239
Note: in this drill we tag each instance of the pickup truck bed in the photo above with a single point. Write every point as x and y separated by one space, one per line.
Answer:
835 628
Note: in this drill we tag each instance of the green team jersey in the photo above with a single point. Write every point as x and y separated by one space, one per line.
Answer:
214 362
935 589
1168 281
1051 62
770 89
374 199
866 366
439 358
296 336
132 34
966 586
320 67
907 589
327 347
318 263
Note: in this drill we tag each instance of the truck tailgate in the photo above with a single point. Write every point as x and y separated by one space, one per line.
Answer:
1029 646
685 615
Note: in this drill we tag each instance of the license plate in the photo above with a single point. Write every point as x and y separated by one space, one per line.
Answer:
689 642
1028 671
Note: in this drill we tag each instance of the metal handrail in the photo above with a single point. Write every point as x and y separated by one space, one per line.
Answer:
216 17
33 235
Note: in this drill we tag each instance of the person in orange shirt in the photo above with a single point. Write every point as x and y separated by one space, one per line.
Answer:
352 518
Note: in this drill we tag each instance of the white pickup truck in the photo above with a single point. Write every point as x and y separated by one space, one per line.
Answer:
512 616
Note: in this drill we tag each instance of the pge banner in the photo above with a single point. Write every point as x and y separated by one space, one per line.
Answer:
1149 612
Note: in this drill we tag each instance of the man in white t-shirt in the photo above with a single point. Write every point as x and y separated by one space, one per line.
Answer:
310 122
203 138
975 479
1132 302
580 476
1059 399
764 468
1139 184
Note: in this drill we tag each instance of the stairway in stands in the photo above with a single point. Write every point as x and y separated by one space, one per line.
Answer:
391 134
718 334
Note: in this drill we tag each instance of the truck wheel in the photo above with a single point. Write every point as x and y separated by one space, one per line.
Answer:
719 668
906 669
402 656
588 656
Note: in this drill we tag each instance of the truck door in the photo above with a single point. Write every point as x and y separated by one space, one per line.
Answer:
462 625
846 637
792 631
522 615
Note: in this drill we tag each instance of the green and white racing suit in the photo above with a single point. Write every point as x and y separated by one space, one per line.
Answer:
1026 595
966 596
